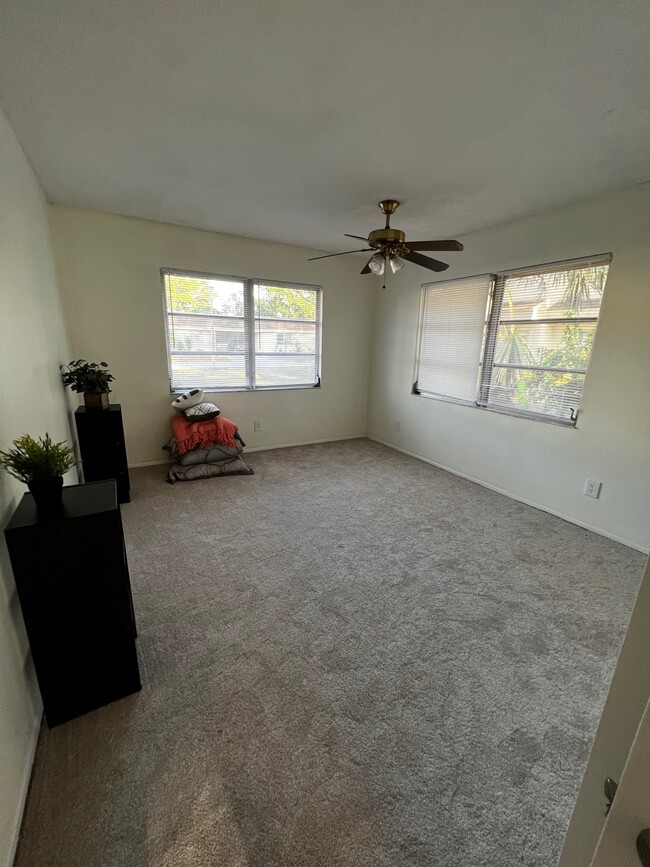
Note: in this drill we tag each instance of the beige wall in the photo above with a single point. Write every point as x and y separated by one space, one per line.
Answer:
32 345
109 273
543 464
628 695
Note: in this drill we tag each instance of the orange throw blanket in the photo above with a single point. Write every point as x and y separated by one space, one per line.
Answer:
204 434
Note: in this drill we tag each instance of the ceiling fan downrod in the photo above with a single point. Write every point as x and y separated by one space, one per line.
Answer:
388 207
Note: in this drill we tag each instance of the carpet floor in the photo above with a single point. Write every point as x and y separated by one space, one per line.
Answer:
350 658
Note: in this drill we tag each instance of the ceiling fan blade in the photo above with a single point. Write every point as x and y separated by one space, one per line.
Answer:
434 245
358 237
424 261
329 255
366 269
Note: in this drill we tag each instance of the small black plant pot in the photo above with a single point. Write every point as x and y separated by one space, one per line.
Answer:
48 496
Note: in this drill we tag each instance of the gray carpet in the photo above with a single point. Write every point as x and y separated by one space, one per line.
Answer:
349 658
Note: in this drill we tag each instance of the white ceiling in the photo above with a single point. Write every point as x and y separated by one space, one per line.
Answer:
288 120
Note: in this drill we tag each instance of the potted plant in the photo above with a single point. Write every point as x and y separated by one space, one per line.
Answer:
90 379
40 464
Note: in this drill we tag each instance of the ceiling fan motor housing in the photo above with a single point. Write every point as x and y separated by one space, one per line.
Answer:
387 238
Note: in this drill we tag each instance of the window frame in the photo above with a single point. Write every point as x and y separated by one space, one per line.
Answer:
486 363
249 284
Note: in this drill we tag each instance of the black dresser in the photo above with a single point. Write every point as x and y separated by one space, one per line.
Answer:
73 583
103 451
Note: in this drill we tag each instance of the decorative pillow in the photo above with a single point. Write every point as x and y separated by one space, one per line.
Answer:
202 412
191 398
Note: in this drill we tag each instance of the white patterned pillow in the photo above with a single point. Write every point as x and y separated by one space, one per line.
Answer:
202 412
191 398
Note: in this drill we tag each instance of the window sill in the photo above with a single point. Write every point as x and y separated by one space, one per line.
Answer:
207 389
528 416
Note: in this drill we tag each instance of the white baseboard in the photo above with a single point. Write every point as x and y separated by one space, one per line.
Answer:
512 496
24 788
250 449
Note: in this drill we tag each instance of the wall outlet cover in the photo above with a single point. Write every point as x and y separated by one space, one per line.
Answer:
592 488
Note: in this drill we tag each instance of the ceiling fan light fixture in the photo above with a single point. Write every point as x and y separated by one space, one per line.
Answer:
396 264
377 264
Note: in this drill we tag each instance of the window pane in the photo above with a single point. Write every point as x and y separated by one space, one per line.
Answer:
562 344
554 294
194 333
281 370
286 335
547 320
285 302
208 371
549 393
206 331
281 336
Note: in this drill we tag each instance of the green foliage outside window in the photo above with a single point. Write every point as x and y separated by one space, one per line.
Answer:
285 303
189 294
197 295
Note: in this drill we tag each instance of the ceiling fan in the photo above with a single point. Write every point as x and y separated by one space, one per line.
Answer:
391 247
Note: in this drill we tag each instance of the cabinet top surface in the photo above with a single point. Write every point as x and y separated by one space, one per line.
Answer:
78 501
83 410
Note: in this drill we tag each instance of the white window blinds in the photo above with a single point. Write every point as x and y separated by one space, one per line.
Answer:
239 333
286 335
541 336
453 328
206 337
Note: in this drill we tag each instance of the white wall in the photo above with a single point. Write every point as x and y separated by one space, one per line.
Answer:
628 695
109 274
32 345
541 463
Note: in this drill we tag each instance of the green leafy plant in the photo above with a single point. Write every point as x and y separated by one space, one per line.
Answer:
32 460
87 377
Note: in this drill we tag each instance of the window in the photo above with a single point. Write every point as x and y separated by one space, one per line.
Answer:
530 356
238 333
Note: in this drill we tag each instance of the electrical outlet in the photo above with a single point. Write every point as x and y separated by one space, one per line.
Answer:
592 488
398 424
257 426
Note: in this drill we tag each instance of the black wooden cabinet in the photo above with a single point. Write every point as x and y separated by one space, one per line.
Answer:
103 451
73 584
